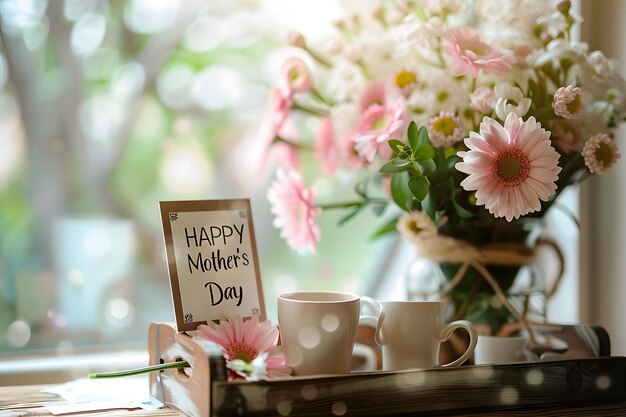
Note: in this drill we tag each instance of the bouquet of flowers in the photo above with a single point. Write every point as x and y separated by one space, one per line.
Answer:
472 117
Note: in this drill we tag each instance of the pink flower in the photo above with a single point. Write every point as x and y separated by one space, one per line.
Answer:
568 102
374 94
483 99
325 150
297 77
245 340
472 54
349 153
280 126
292 204
600 153
376 126
511 168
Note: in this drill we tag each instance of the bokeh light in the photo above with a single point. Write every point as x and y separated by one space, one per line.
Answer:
174 86
87 34
119 312
128 80
18 334
309 337
204 34
150 16
217 88
36 35
12 138
186 170
101 117
21 14
73 9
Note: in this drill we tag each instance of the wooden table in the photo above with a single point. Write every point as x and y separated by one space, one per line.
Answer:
27 400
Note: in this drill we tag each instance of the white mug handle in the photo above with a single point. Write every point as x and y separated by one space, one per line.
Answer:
447 331
371 321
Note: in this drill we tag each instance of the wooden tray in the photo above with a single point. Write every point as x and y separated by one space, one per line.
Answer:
204 391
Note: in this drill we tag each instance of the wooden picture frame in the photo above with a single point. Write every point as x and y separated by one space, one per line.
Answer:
212 260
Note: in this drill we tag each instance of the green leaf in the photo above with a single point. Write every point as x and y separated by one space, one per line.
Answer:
361 189
399 162
396 145
419 187
428 166
400 191
378 209
413 136
438 215
441 172
390 227
422 138
461 211
390 168
350 215
428 206
424 152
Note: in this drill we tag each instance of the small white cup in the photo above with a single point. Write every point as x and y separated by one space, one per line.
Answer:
501 349
318 329
411 332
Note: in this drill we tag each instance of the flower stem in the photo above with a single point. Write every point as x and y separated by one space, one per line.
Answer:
352 203
137 371
310 110
299 146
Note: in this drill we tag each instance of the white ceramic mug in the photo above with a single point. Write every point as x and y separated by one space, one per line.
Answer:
317 330
411 332
500 349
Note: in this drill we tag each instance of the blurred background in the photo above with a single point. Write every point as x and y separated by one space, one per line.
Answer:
107 107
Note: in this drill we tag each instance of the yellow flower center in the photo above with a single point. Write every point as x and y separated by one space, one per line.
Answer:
511 167
405 79
413 227
240 351
604 154
445 126
295 75
379 123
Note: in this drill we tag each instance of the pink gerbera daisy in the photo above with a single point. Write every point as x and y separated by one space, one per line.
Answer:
245 340
292 204
511 168
472 54
376 126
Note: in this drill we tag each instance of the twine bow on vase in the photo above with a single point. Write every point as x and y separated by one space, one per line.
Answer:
446 249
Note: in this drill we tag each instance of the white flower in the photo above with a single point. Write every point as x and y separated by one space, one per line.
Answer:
553 25
437 91
416 225
415 36
559 50
445 129
510 99
253 371
437 7
482 99
346 81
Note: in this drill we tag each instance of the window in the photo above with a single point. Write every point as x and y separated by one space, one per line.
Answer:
107 108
